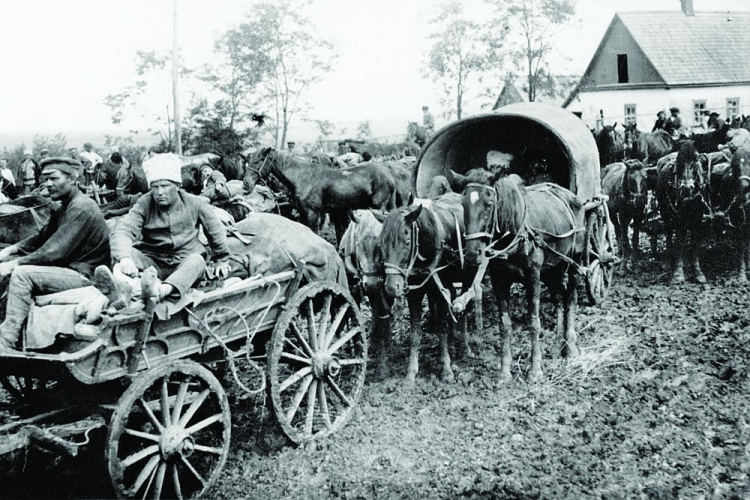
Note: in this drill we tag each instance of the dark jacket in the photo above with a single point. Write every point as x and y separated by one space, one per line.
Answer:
659 124
75 237
168 235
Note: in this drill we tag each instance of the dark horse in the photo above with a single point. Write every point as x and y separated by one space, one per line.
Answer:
420 246
417 133
735 201
610 144
318 190
680 190
625 185
647 147
710 141
535 234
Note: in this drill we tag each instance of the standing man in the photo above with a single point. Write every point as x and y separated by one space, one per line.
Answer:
674 125
62 256
714 122
661 121
161 231
28 173
428 122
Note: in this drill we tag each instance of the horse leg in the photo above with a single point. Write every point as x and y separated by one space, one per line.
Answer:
678 276
637 220
744 254
339 224
570 303
533 292
447 326
694 249
380 332
502 296
414 300
465 347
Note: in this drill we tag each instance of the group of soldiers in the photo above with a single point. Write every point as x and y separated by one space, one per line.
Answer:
674 126
157 240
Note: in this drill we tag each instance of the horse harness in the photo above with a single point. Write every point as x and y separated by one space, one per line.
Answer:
432 269
527 235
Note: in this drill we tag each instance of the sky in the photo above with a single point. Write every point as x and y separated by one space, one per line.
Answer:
60 58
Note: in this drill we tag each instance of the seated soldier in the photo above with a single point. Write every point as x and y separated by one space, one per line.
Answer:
161 231
62 256
213 182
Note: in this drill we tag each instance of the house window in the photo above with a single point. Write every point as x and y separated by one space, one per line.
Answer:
699 112
622 68
733 107
630 117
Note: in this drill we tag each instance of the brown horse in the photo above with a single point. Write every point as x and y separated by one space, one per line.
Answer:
420 248
647 147
318 190
610 144
625 185
530 234
735 202
681 192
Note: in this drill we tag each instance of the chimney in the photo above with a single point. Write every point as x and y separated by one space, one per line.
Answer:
687 7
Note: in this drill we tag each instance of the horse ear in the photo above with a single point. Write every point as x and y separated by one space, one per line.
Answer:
413 213
353 216
410 198
614 125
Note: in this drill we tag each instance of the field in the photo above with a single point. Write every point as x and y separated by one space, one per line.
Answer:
655 406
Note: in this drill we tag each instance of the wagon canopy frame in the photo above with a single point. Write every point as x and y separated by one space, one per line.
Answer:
520 129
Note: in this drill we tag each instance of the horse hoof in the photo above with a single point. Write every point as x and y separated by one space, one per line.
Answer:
534 376
700 279
678 279
448 377
505 378
569 351
411 378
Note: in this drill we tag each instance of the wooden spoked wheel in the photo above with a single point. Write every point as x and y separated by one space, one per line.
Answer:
599 256
26 390
317 361
169 436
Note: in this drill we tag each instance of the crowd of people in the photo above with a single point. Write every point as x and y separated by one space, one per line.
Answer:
674 126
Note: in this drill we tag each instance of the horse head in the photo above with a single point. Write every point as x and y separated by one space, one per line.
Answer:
258 167
634 183
689 178
479 201
361 247
399 241
631 136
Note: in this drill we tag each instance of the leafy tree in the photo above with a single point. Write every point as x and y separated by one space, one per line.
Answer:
278 44
364 130
211 128
153 78
57 145
459 54
325 130
537 22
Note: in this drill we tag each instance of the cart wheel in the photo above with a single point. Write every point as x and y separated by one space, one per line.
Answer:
26 390
318 356
169 436
600 258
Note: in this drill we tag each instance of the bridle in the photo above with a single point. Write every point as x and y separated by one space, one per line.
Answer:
492 227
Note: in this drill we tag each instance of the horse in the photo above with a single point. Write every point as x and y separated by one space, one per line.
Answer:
418 134
23 217
318 190
420 248
610 144
625 185
710 141
680 191
647 147
735 202
529 234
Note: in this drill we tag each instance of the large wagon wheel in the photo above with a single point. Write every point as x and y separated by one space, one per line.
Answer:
599 255
169 436
317 361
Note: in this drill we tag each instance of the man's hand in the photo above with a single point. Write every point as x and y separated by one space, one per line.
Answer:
8 252
128 267
7 267
221 269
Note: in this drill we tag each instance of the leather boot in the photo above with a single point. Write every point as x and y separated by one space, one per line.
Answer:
116 291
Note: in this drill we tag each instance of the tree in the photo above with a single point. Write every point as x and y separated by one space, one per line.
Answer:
153 84
459 54
325 130
57 145
279 44
364 130
212 128
537 22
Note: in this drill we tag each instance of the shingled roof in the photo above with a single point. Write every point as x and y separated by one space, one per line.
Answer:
710 47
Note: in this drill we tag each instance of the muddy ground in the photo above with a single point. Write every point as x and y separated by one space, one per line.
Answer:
655 406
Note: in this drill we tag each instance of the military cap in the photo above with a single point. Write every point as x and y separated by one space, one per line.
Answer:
674 108
714 113
66 165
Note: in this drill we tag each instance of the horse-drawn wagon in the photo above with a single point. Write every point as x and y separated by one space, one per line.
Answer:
152 380
540 142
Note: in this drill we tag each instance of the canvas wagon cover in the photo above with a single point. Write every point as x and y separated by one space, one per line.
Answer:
523 129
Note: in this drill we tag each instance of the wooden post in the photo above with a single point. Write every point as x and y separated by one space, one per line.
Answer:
175 81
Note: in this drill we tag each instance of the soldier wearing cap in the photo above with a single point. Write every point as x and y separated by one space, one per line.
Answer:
428 121
62 256
674 125
714 122
161 231
661 121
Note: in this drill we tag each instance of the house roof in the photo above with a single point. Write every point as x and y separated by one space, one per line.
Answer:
508 95
710 47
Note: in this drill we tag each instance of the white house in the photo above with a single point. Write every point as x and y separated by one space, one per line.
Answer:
651 61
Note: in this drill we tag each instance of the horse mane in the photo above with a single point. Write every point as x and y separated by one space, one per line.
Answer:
685 156
395 223
366 224
510 204
479 176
